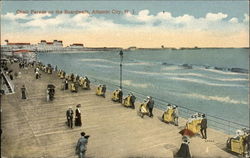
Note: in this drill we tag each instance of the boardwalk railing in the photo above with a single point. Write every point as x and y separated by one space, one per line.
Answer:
214 122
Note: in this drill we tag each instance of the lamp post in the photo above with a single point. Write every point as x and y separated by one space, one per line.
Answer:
121 57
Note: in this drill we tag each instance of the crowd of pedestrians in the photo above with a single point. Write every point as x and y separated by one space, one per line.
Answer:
74 82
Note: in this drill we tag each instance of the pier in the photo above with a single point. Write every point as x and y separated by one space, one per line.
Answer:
35 128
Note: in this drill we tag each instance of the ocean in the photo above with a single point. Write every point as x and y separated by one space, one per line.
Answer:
211 81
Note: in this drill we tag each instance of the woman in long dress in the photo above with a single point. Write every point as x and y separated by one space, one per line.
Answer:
78 121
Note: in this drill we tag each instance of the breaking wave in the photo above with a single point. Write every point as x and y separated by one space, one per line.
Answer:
131 83
98 60
117 63
138 63
205 67
205 82
215 98
99 65
187 74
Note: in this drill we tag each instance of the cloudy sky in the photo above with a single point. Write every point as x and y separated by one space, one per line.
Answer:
128 23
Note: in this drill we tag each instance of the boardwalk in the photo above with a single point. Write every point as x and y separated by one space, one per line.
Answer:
34 128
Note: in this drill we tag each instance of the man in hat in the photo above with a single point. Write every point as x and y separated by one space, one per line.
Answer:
81 146
132 100
66 84
184 151
37 74
150 105
104 90
204 127
69 115
175 115
120 94
78 121
23 90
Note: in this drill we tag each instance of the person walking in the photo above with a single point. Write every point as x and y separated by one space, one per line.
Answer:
184 151
120 94
66 84
150 106
104 90
69 115
11 76
78 121
23 90
132 100
175 115
81 146
204 127
37 74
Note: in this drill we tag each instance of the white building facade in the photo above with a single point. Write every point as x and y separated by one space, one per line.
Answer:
45 46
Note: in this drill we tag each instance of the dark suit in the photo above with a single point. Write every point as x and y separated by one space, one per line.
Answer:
120 94
23 89
150 107
104 91
69 115
204 128
132 100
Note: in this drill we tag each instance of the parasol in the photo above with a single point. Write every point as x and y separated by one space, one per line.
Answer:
186 132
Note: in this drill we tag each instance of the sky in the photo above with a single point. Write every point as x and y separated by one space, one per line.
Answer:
148 24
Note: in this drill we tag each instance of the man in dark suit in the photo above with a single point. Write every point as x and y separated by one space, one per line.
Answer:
204 127
120 94
150 106
104 90
69 115
132 100
23 90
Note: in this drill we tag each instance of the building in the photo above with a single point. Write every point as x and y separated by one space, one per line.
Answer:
45 46
15 46
24 54
76 46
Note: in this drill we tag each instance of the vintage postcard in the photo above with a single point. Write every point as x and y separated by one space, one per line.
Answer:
120 79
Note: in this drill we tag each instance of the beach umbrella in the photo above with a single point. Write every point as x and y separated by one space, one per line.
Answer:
51 86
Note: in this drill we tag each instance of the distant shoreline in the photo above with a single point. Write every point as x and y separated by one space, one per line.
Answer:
66 50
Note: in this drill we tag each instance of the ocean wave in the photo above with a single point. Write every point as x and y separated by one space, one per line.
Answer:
222 72
205 67
138 63
99 65
205 82
187 74
171 68
131 83
99 60
117 63
215 98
